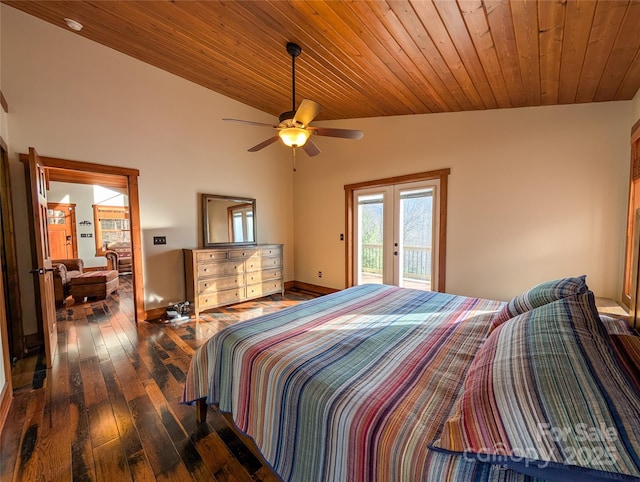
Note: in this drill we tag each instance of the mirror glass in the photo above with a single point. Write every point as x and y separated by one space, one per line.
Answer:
228 220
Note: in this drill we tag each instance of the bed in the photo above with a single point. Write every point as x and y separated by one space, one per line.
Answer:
379 383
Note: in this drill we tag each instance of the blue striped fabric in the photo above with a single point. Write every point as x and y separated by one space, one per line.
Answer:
546 396
540 295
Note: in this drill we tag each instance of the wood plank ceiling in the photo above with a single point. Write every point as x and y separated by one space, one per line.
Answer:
377 58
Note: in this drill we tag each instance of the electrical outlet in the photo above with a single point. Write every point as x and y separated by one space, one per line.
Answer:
319 274
342 237
159 240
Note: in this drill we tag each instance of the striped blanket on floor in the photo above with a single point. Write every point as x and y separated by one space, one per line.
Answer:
350 386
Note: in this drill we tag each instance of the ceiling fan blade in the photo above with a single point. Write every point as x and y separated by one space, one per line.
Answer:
264 144
311 148
332 132
251 123
307 111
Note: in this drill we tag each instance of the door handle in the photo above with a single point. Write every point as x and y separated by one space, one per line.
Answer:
41 270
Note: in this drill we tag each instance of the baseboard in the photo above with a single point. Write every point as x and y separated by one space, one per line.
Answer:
154 314
6 397
321 290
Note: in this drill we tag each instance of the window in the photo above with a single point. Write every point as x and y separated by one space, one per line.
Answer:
112 227
634 205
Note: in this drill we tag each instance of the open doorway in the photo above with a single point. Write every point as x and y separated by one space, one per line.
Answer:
76 172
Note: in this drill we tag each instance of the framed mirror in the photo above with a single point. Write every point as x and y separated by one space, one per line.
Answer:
228 220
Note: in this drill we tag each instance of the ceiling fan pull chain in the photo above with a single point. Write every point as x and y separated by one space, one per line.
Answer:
293 158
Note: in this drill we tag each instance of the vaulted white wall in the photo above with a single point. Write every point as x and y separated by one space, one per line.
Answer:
534 193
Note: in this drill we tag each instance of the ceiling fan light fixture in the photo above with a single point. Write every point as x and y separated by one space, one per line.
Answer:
294 136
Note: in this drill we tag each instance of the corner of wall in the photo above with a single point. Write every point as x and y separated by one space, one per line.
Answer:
635 108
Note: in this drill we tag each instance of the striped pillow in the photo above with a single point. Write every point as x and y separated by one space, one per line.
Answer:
540 295
545 396
615 326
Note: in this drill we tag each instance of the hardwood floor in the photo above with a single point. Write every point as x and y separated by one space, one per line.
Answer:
108 409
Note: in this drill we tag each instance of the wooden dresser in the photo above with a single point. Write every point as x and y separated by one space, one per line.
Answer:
222 276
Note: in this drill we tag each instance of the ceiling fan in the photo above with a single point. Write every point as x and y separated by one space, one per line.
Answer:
294 129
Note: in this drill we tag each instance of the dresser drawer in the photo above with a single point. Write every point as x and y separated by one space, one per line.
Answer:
243 253
209 270
266 275
271 251
211 256
263 263
225 297
217 284
261 289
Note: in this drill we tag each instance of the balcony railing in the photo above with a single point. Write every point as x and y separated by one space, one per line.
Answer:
416 262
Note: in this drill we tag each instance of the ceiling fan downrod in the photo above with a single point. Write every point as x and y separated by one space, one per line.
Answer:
294 50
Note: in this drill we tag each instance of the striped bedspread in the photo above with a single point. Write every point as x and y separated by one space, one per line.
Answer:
350 386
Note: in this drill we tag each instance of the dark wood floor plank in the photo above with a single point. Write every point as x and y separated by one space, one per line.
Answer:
215 454
111 463
140 468
54 442
82 463
102 423
161 452
193 461
28 461
11 436
85 343
109 408
172 333
95 390
127 376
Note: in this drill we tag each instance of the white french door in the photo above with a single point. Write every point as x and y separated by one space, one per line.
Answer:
396 234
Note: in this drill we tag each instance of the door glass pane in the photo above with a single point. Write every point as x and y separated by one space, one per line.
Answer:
370 260
56 216
415 250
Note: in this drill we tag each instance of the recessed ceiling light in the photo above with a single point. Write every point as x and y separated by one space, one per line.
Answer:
73 24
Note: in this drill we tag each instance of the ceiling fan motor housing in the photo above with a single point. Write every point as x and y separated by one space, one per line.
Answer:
285 116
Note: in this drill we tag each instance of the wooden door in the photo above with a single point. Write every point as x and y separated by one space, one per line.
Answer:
61 223
43 277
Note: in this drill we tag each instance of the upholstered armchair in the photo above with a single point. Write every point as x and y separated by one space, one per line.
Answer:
118 261
63 271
